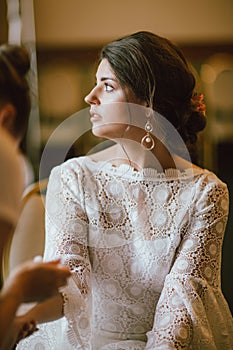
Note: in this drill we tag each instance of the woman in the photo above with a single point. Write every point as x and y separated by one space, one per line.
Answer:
32 281
139 224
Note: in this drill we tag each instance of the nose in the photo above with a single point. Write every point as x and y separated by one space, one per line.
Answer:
92 98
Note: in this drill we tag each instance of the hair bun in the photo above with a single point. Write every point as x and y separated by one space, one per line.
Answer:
195 124
17 56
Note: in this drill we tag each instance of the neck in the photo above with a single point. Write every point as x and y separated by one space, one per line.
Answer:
131 152
15 141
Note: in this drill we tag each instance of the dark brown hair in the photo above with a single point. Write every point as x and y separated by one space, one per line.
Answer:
14 88
157 72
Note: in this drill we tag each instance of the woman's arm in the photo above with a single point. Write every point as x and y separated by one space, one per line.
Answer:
188 308
66 238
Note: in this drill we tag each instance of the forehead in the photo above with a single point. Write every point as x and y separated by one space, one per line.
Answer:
105 70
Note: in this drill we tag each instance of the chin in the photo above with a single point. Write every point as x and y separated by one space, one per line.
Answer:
101 128
109 131
99 131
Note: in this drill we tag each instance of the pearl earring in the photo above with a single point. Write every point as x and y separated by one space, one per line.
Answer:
147 142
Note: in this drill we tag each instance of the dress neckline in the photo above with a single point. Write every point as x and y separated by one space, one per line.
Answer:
129 171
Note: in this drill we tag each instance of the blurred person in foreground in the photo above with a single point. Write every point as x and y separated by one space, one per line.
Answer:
33 280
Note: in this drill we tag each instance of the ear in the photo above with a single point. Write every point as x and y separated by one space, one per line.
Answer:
7 117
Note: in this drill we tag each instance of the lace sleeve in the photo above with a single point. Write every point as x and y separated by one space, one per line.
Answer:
66 237
191 312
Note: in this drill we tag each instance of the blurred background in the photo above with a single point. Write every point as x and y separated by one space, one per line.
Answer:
65 37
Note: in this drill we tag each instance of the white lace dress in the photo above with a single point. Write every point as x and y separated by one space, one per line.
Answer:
145 251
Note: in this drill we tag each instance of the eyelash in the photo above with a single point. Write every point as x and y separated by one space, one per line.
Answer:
108 87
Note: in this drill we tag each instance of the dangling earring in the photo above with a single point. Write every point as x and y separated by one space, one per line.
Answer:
147 141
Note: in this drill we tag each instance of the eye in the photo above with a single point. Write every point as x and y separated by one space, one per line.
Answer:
108 87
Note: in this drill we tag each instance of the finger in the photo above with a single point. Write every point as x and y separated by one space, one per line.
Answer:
65 271
55 261
38 258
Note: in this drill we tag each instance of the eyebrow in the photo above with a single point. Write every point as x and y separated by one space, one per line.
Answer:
107 78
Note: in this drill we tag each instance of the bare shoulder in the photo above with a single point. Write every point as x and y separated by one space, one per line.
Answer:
183 164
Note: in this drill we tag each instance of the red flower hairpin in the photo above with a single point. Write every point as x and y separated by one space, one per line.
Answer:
197 103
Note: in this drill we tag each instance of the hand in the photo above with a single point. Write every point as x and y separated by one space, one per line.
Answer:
26 329
21 328
36 281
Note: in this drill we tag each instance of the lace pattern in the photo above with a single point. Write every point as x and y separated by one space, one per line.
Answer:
145 251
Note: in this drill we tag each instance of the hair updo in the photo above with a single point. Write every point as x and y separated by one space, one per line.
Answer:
14 88
157 72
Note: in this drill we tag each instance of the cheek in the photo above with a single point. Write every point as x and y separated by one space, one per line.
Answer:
117 112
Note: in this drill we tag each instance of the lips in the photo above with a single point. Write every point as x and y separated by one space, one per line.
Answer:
95 117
